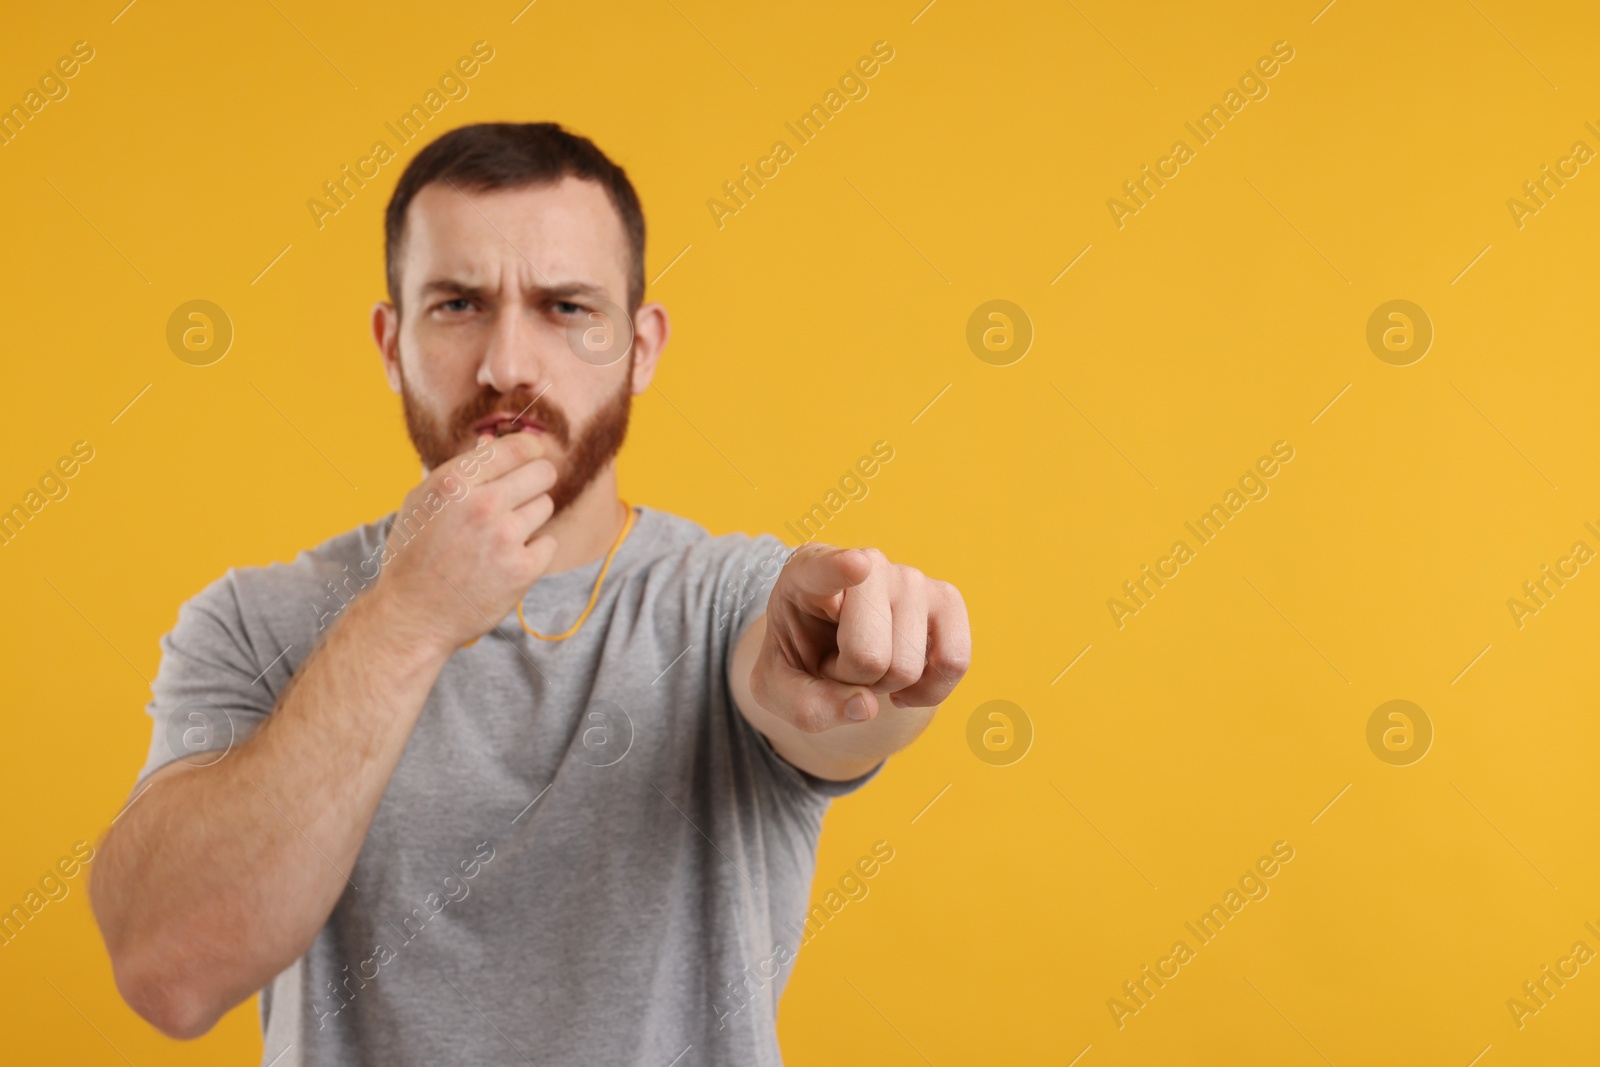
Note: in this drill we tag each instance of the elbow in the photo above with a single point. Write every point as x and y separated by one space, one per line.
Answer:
177 1009
155 985
150 980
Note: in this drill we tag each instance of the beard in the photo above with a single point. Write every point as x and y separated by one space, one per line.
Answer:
584 455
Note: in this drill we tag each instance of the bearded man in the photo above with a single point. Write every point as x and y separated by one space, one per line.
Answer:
518 772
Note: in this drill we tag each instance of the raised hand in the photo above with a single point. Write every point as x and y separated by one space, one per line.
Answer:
463 550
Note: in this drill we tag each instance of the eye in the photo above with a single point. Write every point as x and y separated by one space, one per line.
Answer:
460 303
567 307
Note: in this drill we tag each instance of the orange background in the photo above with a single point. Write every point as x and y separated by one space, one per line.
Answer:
831 312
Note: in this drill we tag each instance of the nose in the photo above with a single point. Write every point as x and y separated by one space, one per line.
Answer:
511 358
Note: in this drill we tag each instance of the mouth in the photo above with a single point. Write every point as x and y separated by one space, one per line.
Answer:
501 424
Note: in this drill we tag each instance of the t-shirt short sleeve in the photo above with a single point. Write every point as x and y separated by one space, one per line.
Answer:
209 693
746 578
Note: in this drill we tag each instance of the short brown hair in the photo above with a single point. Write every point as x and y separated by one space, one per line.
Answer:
501 155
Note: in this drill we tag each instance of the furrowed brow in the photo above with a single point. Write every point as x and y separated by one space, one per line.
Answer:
562 290
453 288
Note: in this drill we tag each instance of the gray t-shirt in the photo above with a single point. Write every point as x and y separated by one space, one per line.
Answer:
586 855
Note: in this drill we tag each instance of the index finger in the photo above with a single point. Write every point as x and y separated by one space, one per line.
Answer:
829 570
492 457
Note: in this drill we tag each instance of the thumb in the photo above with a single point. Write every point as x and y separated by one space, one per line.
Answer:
810 703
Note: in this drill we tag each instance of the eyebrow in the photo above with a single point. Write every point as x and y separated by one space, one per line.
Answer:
558 291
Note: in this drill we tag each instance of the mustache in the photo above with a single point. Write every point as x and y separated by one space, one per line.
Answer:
521 400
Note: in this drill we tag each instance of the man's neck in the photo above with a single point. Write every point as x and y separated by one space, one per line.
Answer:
589 526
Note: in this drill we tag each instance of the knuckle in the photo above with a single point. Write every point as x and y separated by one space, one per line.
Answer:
484 504
954 661
509 540
907 668
812 719
869 660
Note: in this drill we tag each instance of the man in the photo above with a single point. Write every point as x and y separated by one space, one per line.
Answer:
517 773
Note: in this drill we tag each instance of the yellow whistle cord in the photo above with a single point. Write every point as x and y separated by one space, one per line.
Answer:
594 594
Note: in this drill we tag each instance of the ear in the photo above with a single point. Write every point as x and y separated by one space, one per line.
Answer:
386 333
651 330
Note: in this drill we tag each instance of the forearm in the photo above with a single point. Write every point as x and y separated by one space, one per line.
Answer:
846 751
222 875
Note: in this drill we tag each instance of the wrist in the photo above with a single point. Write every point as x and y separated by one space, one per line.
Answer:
403 635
